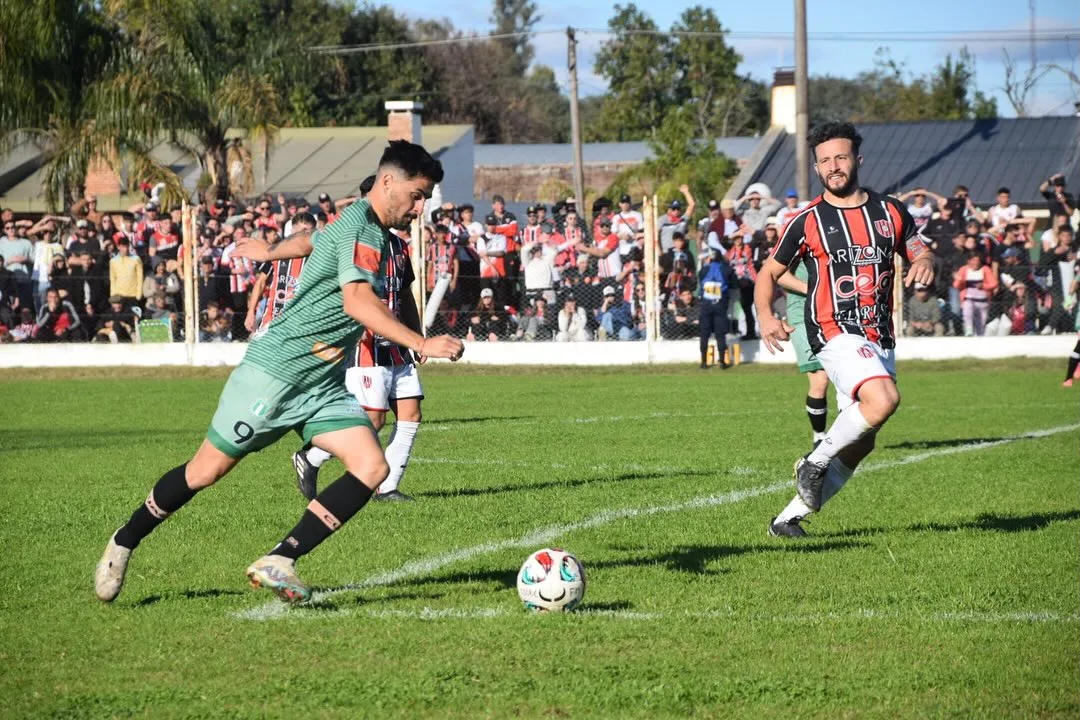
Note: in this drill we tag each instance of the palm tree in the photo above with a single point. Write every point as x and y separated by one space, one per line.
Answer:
56 56
201 68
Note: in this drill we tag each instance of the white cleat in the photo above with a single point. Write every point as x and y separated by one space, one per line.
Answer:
278 575
109 578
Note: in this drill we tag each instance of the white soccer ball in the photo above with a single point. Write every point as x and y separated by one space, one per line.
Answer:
551 580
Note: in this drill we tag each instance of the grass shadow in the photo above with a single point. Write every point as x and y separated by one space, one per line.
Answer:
186 595
463 421
931 444
989 522
549 484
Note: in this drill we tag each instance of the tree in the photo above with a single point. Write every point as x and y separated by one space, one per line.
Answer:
637 66
515 16
705 79
200 69
56 60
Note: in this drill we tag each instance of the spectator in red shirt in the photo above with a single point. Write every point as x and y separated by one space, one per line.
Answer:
165 242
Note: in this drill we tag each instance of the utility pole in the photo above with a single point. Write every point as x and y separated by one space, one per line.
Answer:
802 104
575 122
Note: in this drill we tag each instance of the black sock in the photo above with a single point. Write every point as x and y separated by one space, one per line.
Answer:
817 409
704 351
1074 360
169 495
326 513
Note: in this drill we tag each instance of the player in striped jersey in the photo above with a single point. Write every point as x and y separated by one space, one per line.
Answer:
847 236
383 377
275 283
293 378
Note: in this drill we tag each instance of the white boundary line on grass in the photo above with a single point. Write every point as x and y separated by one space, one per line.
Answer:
486 613
542 536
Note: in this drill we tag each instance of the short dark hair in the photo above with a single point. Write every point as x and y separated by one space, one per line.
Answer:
466 206
412 160
304 217
832 131
1004 190
367 184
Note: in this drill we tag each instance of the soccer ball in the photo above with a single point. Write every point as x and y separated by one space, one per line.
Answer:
551 580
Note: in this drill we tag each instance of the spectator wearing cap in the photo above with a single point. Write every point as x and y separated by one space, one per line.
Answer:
791 208
117 325
126 274
606 251
755 210
726 226
538 323
146 225
573 323
601 211
530 232
328 208
57 320
1059 201
491 249
47 246
627 221
489 322
87 261
676 219
541 212
18 255
923 314
614 317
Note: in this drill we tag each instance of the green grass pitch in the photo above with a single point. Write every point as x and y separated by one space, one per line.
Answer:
943 581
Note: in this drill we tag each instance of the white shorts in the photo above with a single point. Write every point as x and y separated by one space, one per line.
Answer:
851 360
376 386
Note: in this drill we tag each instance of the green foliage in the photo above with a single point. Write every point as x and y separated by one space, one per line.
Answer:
890 93
650 75
678 159
515 16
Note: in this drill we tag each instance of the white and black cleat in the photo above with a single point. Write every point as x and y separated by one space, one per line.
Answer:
809 481
787 528
394 496
307 475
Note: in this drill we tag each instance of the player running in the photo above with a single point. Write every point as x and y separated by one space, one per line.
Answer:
847 236
292 377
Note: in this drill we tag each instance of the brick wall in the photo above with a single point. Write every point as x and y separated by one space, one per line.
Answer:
102 180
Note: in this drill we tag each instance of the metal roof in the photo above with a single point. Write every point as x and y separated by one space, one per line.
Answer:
737 148
1018 153
303 161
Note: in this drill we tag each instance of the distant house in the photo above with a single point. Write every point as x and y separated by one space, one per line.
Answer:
518 172
303 162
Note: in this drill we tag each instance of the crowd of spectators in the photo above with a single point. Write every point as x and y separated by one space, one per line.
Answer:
558 274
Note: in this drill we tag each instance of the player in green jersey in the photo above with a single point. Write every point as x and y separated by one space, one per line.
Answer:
293 378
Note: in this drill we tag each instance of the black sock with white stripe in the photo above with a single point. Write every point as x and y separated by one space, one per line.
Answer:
169 495
326 513
817 409
1074 360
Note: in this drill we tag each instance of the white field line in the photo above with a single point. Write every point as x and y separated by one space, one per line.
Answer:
602 467
974 616
448 426
542 536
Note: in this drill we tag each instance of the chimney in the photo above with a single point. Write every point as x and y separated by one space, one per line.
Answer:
783 99
404 122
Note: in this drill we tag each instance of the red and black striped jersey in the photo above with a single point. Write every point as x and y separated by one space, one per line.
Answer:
374 350
849 260
283 277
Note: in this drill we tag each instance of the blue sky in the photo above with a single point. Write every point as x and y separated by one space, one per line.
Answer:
845 58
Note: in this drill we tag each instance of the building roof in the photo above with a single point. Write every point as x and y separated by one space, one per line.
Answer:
1018 153
737 148
303 162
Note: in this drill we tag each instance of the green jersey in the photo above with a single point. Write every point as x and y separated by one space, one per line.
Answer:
308 342
796 302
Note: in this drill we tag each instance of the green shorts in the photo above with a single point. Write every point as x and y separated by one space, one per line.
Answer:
808 361
256 410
